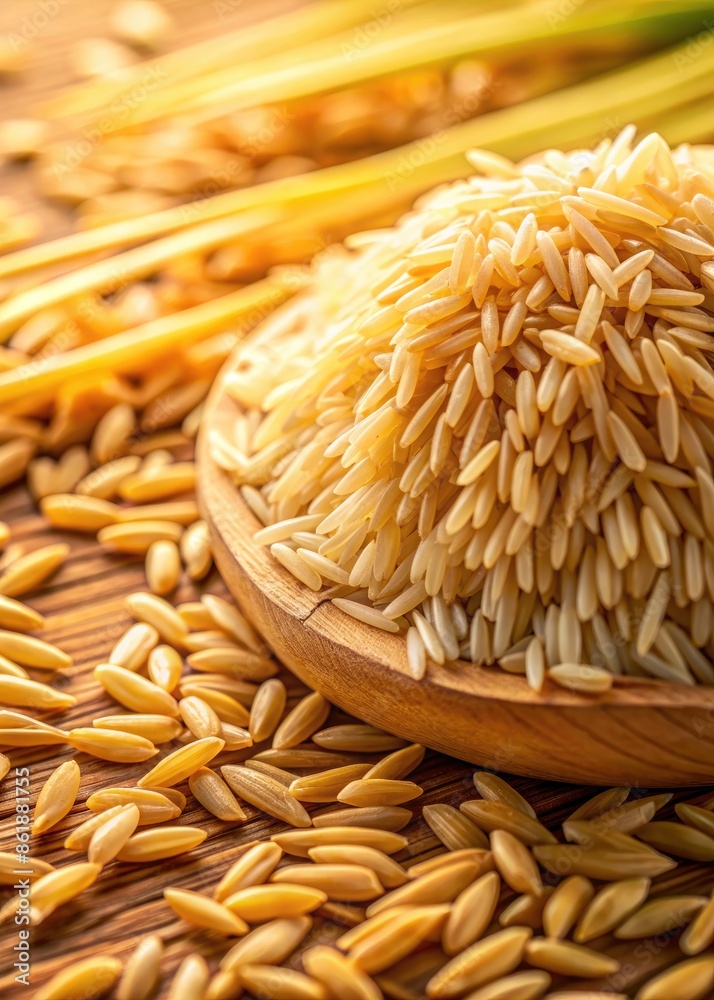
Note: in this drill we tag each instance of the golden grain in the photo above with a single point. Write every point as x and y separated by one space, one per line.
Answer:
165 842
196 550
566 904
110 836
132 649
137 537
135 692
165 667
154 806
381 941
72 512
21 692
453 828
299 842
142 970
265 793
471 913
345 882
259 903
32 652
182 763
252 868
108 744
201 911
700 933
190 980
339 974
568 959
157 612
271 943
215 795
267 709
61 885
482 962
57 796
390 818
442 885
659 916
325 786
89 979
155 728
28 571
15 615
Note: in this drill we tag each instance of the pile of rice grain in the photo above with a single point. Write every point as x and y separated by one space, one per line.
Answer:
493 425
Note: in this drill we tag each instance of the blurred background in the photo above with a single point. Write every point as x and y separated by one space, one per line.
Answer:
157 155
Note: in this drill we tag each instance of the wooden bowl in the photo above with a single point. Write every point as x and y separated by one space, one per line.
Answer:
641 733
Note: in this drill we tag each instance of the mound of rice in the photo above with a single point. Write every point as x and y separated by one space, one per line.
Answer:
492 425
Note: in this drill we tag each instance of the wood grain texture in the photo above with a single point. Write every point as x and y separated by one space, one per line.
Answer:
640 731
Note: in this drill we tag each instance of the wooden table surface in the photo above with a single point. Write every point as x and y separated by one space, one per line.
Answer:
83 605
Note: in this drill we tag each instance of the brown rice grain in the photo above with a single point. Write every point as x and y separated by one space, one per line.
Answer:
336 972
347 882
190 980
135 692
567 959
164 842
72 512
215 795
56 797
258 904
182 763
389 818
155 728
253 868
29 571
90 979
265 793
110 836
133 648
481 963
165 667
441 885
299 842
142 970
270 943
204 912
